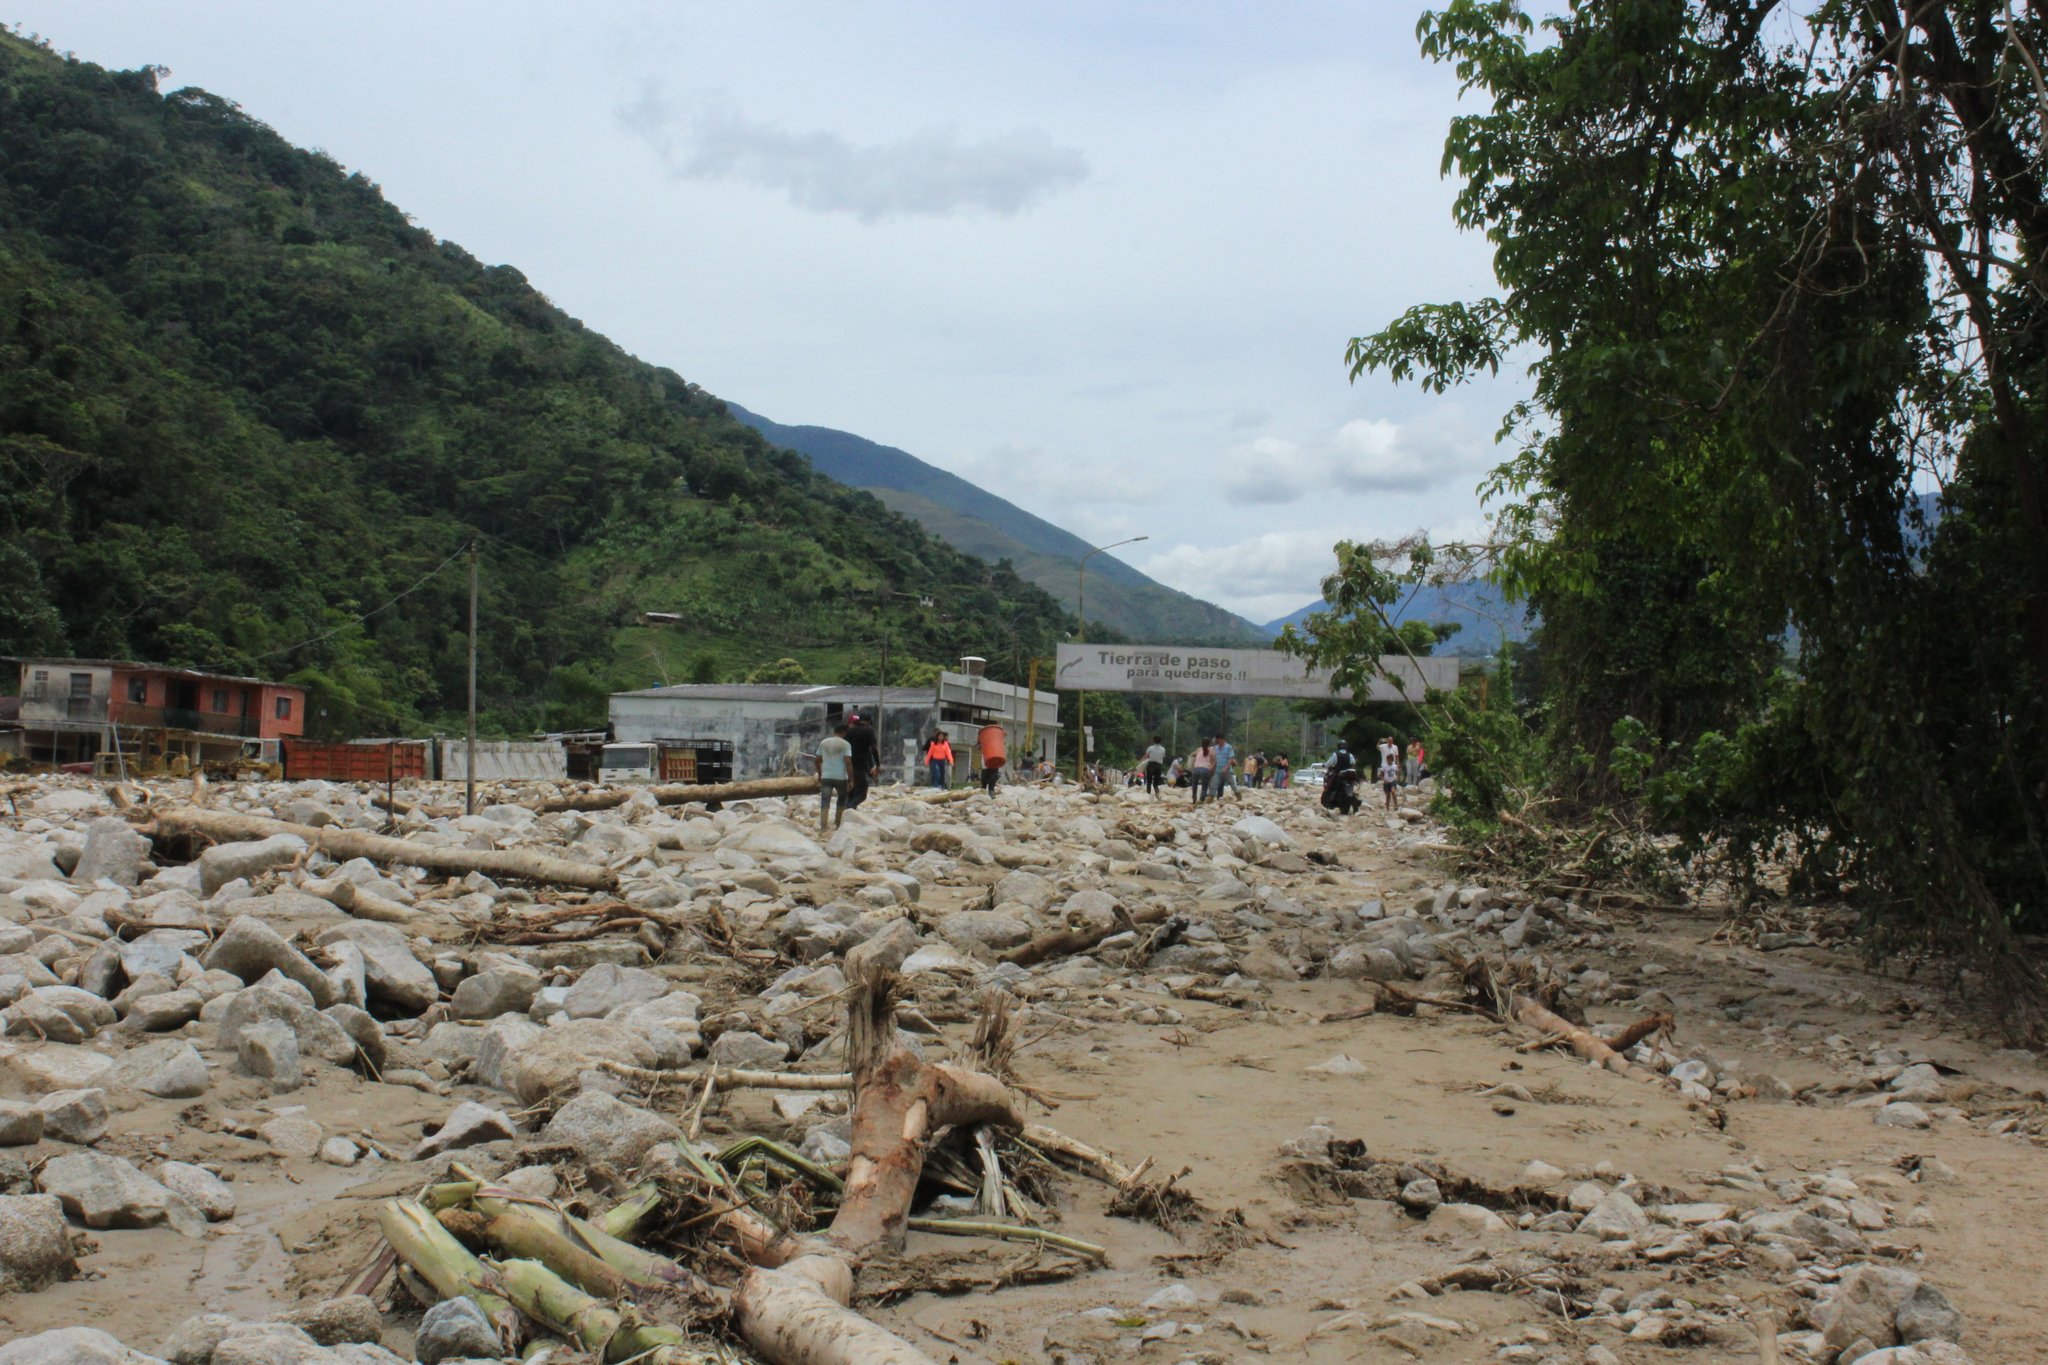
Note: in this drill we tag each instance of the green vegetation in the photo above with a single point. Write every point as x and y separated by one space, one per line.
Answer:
251 415
1778 494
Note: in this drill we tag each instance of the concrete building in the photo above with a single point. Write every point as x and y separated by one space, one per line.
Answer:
72 710
772 725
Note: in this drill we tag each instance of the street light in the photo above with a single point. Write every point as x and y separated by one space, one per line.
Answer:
1080 636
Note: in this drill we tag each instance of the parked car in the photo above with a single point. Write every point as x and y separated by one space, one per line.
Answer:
1311 776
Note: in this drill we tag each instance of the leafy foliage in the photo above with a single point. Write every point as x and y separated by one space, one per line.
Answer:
250 415
1779 273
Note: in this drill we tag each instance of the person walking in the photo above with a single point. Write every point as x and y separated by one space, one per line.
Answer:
1413 771
835 764
1390 781
1155 766
1226 771
1254 767
1283 773
991 759
866 760
938 758
1390 752
1201 767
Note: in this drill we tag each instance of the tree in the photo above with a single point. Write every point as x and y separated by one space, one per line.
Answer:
1780 274
781 671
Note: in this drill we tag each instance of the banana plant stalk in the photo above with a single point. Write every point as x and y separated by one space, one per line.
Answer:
604 1331
433 1254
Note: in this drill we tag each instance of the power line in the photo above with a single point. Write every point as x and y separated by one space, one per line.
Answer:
358 620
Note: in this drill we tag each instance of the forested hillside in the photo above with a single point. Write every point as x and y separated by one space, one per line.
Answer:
977 521
245 404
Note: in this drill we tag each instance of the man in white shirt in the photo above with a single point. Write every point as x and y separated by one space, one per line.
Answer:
835 772
1155 766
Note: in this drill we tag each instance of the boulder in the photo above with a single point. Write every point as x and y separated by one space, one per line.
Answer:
608 1130
607 987
1026 889
54 1066
488 994
72 1346
21 1125
61 1014
318 1035
1927 1315
744 1050
549 1061
270 1050
1616 1218
114 850
772 839
1265 831
35 1246
104 1191
250 949
990 930
337 1322
200 1188
224 863
455 1329
76 1116
468 1125
171 1069
163 1011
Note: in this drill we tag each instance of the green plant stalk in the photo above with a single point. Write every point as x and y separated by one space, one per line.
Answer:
634 1266
432 1253
451 1195
808 1169
590 1323
624 1218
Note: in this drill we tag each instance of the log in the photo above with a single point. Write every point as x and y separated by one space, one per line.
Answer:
759 789
1532 1014
343 844
1077 938
344 894
592 1324
790 1319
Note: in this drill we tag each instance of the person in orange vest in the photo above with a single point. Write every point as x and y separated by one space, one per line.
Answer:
991 758
938 757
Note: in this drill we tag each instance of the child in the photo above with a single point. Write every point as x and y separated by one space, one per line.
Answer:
1390 780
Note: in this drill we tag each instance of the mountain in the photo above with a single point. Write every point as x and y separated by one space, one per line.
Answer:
251 416
977 521
1484 617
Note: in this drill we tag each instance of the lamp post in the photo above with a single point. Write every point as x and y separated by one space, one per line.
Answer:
1080 637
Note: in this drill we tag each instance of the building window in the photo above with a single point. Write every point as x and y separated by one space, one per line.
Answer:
138 690
284 708
220 701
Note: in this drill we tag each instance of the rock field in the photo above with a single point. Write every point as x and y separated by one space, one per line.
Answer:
211 1072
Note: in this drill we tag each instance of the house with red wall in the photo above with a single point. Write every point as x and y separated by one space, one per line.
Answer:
73 710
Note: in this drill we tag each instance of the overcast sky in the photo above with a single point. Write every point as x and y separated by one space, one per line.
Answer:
1099 258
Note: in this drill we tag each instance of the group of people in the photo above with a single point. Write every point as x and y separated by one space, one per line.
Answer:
849 760
1395 770
1210 770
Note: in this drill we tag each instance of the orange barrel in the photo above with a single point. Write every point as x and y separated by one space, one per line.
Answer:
992 746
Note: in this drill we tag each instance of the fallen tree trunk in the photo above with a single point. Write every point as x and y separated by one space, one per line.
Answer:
343 844
707 794
1078 938
1532 1013
344 894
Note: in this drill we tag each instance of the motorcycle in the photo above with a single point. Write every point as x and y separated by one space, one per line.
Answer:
1340 792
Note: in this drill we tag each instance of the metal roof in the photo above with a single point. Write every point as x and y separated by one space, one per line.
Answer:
794 694
38 660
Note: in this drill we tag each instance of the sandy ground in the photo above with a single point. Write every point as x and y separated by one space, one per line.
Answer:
1314 1275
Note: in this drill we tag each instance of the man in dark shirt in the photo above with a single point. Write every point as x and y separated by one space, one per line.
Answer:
861 736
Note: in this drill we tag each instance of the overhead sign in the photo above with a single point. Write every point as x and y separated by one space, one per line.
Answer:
1236 673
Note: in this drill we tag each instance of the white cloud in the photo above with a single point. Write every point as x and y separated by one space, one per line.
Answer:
931 173
1365 455
1261 578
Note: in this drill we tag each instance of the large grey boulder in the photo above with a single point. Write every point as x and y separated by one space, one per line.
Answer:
104 1191
985 930
501 990
270 1050
224 863
397 978
114 850
605 1129
75 1116
170 1069
1026 889
251 949
607 987
200 1188
319 1036
62 1014
54 1066
550 1062
21 1125
35 1246
455 1329
744 1050
73 1346
468 1125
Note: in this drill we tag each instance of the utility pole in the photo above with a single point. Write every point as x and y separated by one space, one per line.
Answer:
469 758
881 698
1081 636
